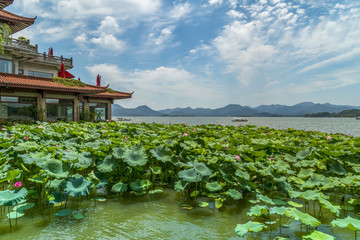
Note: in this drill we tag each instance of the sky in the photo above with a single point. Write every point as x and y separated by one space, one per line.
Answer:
206 53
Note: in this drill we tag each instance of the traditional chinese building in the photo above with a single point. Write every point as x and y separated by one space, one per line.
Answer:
37 86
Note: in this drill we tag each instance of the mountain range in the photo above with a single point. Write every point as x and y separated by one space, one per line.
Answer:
235 110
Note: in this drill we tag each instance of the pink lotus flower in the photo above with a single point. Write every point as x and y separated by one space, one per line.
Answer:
137 120
40 126
68 150
18 184
194 130
329 137
237 157
271 159
26 138
102 126
222 124
3 129
9 135
125 138
185 134
56 145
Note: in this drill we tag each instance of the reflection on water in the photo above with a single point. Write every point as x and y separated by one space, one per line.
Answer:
329 125
158 218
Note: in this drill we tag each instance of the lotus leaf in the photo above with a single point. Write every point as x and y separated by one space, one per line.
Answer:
77 187
56 168
279 202
28 145
354 201
189 175
162 153
295 204
235 194
303 154
56 183
278 210
156 170
136 186
118 152
257 210
328 205
337 168
202 169
305 173
304 218
10 198
180 185
316 235
219 202
213 186
78 216
38 179
135 158
119 187
14 215
349 222
156 191
194 194
242 229
23 207
63 213
203 204
107 165
265 199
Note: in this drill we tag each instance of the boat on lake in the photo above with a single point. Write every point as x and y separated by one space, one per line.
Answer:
237 119
120 119
358 118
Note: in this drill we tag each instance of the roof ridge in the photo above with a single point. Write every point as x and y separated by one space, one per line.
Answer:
21 17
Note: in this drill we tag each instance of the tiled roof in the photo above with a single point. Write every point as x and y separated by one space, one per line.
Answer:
113 95
4 3
21 81
15 22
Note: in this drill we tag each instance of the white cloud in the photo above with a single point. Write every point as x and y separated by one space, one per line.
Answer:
81 39
162 87
109 25
180 10
109 42
213 2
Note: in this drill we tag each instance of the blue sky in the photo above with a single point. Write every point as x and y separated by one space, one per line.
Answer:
206 53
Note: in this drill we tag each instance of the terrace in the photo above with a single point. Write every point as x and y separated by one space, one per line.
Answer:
27 52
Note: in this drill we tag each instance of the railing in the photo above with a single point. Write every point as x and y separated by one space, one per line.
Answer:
55 59
21 44
24 45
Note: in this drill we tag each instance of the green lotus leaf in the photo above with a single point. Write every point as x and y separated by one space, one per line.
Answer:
213 186
10 175
56 168
242 229
78 216
337 168
155 170
136 186
219 202
304 218
135 158
316 235
235 194
99 199
353 201
63 213
15 214
189 175
10 198
119 187
257 210
56 183
328 205
243 174
107 165
203 204
265 199
156 191
180 185
202 169
305 173
290 158
38 179
349 222
118 152
303 154
77 187
82 160
278 210
279 202
295 204
28 145
194 194
57 198
162 153
23 207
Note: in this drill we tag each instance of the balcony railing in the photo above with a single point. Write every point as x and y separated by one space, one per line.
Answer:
24 46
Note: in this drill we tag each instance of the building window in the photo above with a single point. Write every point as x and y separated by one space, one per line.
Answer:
18 108
21 71
60 109
98 111
6 66
40 74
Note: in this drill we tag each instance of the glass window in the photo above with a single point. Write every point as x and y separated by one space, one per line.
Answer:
59 110
6 66
27 99
98 111
40 74
55 101
21 72
18 111
9 99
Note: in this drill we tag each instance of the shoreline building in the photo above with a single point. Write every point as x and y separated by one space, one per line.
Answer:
37 86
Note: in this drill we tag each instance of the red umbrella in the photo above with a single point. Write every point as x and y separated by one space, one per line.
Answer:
62 71
51 52
98 79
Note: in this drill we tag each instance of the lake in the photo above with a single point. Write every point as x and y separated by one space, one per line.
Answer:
349 126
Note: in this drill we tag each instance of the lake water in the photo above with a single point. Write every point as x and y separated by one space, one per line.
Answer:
329 125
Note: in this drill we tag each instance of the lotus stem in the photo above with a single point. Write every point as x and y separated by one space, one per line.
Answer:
9 217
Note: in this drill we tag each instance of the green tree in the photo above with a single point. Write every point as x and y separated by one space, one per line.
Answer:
5 32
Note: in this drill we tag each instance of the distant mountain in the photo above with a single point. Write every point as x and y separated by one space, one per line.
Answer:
235 110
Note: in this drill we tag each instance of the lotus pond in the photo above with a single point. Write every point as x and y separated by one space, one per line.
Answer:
128 181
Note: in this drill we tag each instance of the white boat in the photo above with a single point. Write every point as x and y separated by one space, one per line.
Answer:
236 119
358 118
120 119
